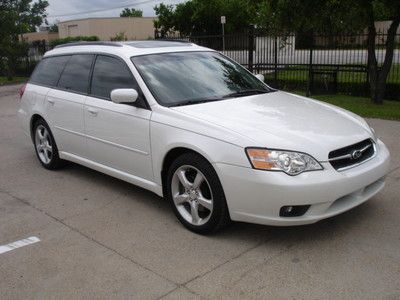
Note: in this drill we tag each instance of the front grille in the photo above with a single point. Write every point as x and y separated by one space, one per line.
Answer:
352 155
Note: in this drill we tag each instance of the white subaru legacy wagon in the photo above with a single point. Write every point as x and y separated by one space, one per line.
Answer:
193 126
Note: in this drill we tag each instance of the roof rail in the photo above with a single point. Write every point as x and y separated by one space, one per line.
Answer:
85 43
178 40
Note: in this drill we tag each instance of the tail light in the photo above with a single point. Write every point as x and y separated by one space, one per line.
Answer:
22 90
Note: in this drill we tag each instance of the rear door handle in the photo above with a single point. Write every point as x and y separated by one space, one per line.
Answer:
51 101
92 111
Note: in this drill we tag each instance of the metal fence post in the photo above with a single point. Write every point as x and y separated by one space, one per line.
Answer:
27 66
276 61
367 85
310 72
251 48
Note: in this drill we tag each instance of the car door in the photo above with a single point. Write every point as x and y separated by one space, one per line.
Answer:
43 79
65 104
117 134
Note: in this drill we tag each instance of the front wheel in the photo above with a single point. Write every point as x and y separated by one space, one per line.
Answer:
196 194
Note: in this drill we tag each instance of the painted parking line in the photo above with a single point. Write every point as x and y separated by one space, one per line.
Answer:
19 244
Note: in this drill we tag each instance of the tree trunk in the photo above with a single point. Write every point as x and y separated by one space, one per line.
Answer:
378 75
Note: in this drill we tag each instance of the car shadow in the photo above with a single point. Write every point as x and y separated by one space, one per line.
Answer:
325 229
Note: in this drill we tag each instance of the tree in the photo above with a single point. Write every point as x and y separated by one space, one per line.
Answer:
336 16
131 12
17 17
53 28
199 17
165 18
303 17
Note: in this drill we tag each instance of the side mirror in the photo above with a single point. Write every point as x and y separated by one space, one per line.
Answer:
124 95
260 77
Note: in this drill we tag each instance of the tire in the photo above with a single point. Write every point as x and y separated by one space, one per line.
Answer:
196 194
45 146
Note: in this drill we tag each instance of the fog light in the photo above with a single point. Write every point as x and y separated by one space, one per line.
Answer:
293 211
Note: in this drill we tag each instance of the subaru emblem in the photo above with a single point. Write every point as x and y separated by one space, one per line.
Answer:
356 154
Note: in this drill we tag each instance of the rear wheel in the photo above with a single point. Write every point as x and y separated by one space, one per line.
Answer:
45 146
196 194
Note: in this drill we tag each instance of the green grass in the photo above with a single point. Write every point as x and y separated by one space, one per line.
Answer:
390 110
300 73
4 80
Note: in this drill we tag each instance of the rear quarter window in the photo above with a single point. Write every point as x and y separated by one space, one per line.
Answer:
49 70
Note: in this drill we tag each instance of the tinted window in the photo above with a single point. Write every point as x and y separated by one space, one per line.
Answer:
49 69
108 74
75 76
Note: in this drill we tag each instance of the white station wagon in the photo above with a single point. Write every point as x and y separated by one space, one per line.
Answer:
190 124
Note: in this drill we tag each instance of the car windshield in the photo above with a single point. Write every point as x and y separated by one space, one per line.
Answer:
185 78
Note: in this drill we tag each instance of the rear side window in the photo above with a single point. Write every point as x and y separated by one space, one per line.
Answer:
75 76
49 69
108 74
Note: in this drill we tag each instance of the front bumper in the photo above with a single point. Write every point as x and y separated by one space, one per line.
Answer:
256 196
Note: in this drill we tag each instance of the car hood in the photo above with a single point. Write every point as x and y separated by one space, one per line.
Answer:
280 120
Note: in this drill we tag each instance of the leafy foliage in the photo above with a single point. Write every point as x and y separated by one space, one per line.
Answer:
166 19
196 17
53 28
323 16
199 17
305 18
131 12
17 17
120 36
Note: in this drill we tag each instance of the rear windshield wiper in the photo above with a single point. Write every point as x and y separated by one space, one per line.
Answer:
246 93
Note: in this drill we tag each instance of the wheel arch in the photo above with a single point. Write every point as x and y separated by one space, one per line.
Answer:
171 155
35 117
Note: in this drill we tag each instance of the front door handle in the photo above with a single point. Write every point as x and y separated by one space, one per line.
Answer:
93 112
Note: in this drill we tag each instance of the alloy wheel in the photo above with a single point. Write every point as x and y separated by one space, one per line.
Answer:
192 195
43 144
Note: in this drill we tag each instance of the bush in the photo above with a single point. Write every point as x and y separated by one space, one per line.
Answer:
120 36
66 40
11 56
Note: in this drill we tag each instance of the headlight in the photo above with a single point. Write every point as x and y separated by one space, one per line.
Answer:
290 162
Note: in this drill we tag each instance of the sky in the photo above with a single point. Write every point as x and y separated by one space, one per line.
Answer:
62 10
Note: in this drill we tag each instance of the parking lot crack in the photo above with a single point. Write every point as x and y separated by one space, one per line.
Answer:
90 210
226 262
184 287
390 174
7 116
58 220
280 253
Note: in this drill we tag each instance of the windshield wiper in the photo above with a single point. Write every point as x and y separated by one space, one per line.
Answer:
246 93
232 95
198 101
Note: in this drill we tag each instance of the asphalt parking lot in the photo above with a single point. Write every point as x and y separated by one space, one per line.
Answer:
104 238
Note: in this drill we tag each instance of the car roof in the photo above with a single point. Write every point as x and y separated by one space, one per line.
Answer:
126 49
